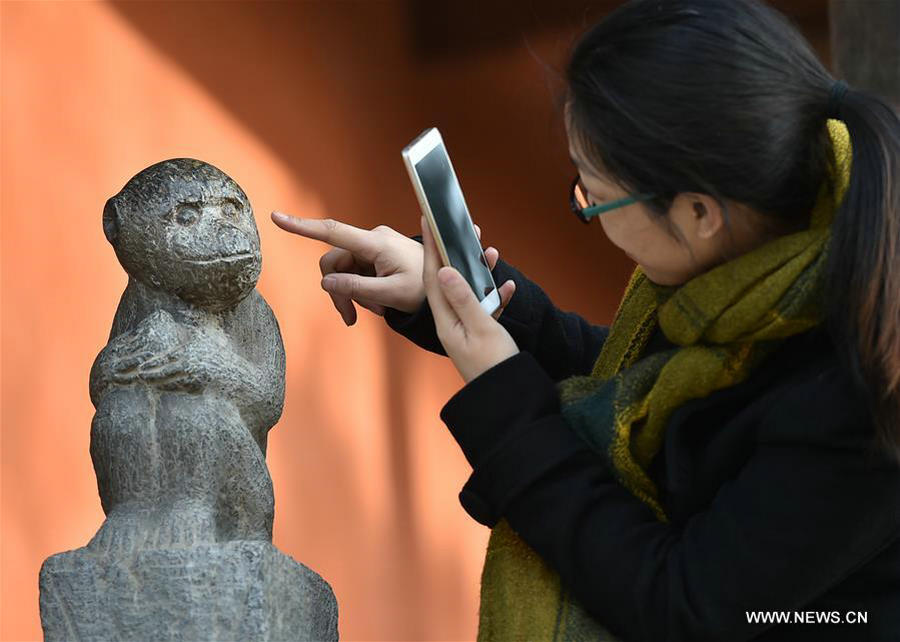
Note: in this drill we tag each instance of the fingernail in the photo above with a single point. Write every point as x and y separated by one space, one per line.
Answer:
280 215
446 276
329 282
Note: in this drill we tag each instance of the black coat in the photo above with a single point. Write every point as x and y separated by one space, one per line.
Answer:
773 504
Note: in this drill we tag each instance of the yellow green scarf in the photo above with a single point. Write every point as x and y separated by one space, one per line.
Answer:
723 322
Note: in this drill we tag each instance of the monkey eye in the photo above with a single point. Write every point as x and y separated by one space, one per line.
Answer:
187 213
231 209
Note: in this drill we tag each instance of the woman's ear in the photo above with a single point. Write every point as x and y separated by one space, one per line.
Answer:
699 215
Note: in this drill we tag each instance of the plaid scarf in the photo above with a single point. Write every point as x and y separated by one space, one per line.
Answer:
723 322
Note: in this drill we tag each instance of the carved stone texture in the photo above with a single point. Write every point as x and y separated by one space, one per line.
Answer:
185 392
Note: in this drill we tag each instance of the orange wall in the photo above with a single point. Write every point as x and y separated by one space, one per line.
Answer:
307 106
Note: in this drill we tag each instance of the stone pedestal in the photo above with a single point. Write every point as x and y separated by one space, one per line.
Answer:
240 590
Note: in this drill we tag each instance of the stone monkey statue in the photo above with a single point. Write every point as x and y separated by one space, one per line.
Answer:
192 378
185 392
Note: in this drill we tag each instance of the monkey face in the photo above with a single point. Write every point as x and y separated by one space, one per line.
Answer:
185 227
215 244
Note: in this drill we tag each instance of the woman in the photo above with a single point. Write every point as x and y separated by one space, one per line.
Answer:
721 462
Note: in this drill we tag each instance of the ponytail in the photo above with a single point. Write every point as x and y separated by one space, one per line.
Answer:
863 271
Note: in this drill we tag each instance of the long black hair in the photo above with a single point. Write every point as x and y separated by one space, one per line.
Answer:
726 97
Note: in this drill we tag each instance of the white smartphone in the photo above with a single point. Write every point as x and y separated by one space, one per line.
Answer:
444 207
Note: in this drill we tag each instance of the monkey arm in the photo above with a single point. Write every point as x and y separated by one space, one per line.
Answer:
101 376
257 365
119 361
266 394
257 392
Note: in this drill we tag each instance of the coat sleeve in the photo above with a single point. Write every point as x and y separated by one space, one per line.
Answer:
562 342
805 511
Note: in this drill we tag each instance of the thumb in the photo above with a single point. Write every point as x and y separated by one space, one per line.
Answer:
461 298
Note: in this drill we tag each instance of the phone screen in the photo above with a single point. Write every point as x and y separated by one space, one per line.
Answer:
451 215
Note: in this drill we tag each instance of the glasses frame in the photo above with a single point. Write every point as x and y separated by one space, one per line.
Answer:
585 214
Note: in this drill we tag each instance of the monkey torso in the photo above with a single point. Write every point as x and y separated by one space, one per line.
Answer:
185 398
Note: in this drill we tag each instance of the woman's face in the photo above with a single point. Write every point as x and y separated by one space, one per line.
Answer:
646 241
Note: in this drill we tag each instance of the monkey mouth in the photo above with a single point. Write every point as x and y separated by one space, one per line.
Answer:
231 258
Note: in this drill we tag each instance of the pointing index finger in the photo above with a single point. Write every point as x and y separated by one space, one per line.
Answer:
357 240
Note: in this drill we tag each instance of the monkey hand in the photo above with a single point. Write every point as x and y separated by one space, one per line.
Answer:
119 361
203 358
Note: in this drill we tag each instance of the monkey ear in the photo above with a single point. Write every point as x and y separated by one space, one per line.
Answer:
111 221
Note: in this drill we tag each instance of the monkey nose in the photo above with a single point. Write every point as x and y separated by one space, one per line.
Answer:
234 241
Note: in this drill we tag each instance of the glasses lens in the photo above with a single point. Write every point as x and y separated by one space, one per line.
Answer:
581 196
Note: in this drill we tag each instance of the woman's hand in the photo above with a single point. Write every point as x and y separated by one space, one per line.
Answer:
376 268
472 338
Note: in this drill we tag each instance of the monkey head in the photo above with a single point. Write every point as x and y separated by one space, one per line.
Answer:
185 227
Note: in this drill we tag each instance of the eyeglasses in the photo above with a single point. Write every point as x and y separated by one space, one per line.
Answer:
581 203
